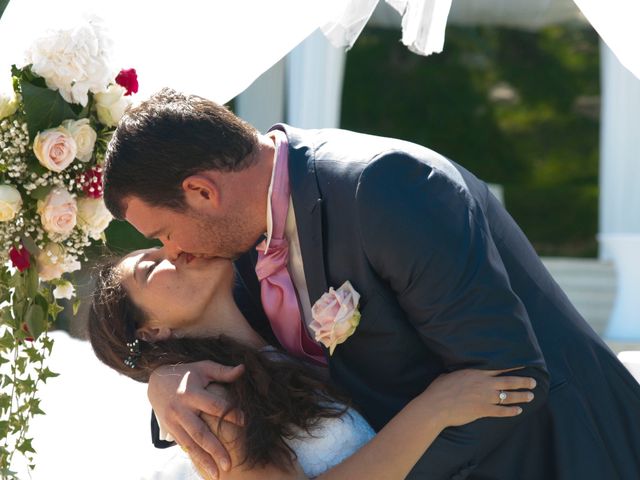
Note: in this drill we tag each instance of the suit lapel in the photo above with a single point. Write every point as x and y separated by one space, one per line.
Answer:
307 204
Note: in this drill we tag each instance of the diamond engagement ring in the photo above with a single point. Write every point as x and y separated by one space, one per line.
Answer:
502 396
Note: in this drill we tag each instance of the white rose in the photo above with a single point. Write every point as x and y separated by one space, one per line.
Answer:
73 61
8 105
64 290
84 136
58 212
111 105
55 148
93 216
52 262
10 202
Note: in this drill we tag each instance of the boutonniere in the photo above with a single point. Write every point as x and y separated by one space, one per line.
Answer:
335 316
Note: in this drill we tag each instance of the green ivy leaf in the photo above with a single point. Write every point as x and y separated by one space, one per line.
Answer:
6 342
25 446
34 405
44 108
54 309
5 402
47 343
47 374
36 320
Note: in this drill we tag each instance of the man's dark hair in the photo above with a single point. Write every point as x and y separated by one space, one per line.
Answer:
168 138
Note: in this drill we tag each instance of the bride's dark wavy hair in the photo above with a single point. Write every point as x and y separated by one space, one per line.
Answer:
278 396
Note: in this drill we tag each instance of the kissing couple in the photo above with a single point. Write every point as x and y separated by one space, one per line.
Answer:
338 305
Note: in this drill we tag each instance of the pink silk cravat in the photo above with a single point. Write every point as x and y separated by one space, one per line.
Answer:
278 295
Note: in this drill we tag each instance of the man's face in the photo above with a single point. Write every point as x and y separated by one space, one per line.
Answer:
190 232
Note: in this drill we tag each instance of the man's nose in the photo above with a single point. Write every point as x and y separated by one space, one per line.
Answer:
172 251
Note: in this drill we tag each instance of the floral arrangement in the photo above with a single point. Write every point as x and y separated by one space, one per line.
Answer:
54 131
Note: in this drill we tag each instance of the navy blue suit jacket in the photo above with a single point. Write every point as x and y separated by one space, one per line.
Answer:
448 281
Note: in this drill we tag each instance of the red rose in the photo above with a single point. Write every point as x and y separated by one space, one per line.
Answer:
91 182
128 78
20 258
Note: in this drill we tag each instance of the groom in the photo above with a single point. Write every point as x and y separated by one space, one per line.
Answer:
447 281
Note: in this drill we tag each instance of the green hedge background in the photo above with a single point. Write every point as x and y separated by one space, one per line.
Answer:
517 108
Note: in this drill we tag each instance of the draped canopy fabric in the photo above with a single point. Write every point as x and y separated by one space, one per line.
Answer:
210 48
217 49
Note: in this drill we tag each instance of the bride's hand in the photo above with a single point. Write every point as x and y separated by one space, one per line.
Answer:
178 396
463 396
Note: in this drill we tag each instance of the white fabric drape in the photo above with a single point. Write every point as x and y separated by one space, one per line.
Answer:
423 23
210 48
618 24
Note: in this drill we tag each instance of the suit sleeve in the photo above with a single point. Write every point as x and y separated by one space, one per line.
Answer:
426 237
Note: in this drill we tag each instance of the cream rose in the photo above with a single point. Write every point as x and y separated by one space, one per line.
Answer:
84 136
55 148
8 105
335 316
64 289
111 105
93 216
58 212
52 262
10 202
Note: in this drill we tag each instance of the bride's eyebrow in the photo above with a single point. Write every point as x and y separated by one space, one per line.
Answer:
136 269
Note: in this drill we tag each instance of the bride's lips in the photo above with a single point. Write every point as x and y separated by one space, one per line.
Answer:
188 258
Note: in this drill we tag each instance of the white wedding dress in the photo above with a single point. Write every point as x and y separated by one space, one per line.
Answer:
333 440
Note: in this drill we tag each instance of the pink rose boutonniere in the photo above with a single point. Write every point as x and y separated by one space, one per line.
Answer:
335 316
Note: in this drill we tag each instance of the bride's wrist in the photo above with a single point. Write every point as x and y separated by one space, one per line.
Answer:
434 406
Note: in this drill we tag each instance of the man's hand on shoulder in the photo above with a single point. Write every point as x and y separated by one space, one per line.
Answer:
178 395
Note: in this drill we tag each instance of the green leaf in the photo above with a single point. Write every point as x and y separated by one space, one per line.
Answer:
45 108
32 282
41 192
3 5
34 405
4 429
76 306
36 320
54 309
25 446
46 374
7 317
6 342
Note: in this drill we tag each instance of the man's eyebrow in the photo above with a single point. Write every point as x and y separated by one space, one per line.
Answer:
153 235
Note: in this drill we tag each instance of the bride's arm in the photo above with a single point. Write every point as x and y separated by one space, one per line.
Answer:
451 400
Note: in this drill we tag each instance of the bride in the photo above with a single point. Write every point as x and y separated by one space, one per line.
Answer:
293 424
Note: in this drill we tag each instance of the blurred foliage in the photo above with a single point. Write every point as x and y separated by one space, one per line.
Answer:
516 108
123 238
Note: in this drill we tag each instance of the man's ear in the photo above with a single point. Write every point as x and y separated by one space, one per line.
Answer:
201 192
153 334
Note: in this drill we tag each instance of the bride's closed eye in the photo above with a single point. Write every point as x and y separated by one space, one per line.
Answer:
149 269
